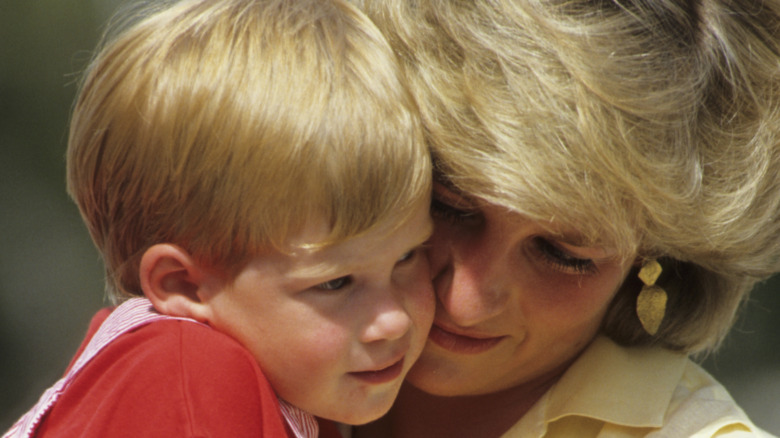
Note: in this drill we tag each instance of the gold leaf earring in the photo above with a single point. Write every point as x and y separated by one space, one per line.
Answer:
651 301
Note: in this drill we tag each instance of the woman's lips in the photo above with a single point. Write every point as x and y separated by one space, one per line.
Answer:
380 376
459 343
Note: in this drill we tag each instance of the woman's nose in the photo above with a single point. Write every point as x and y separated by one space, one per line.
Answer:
470 283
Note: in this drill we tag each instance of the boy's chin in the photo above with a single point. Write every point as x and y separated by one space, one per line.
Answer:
363 414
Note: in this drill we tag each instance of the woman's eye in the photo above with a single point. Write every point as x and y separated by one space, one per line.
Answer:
456 216
335 284
562 260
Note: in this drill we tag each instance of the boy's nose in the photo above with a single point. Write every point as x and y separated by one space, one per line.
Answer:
389 321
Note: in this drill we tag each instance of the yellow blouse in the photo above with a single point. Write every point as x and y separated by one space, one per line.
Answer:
612 391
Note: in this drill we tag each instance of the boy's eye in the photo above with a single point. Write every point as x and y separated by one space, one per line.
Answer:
456 216
335 284
406 256
562 260
411 254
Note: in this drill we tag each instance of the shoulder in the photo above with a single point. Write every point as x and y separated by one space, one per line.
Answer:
164 351
171 378
702 407
638 392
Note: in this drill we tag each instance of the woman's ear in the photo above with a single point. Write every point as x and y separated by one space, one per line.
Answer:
175 283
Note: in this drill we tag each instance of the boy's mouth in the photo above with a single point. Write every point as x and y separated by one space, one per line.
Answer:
382 375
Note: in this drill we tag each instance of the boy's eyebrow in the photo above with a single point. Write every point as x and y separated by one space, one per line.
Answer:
324 269
328 268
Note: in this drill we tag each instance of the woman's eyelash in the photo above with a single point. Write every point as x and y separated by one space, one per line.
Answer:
442 210
562 260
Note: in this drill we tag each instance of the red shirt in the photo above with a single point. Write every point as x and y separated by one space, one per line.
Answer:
168 378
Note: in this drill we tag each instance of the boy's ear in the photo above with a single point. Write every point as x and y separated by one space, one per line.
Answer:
175 283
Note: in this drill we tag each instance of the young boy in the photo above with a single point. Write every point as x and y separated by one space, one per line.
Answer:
254 176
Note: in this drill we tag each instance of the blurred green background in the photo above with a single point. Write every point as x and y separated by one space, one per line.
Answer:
51 279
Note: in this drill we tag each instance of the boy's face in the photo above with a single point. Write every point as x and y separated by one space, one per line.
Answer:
337 329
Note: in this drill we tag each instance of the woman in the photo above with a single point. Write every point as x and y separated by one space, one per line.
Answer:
607 195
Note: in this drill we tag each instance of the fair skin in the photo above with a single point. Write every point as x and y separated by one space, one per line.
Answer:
335 329
517 302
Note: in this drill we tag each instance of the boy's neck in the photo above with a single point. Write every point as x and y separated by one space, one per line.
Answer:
417 414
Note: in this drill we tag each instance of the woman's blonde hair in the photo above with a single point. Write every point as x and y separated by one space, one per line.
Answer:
651 127
227 126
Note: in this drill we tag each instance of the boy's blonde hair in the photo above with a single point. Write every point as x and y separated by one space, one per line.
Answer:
227 126
651 127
